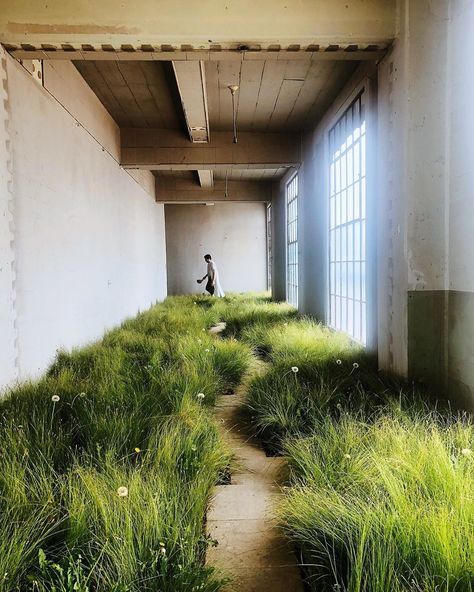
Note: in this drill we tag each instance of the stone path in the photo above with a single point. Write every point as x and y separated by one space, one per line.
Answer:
251 550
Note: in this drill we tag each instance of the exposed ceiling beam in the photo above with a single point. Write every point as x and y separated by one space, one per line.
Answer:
313 53
191 82
168 149
170 190
170 24
206 178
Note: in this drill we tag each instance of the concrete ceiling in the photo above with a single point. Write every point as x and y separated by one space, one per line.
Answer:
136 94
274 95
289 58
284 95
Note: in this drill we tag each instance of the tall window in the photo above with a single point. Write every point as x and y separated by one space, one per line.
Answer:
269 247
347 223
292 241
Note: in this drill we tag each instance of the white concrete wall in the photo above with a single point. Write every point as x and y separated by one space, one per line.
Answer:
233 233
89 245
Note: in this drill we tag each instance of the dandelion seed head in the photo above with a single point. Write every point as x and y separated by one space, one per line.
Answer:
207 350
55 398
295 369
82 395
347 456
122 491
201 396
285 324
338 362
355 365
466 451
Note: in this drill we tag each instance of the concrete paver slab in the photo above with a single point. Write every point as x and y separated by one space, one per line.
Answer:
250 548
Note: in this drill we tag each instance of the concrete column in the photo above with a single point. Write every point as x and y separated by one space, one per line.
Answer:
279 241
312 227
418 311
8 333
412 146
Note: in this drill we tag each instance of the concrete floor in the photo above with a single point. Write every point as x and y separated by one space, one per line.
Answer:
251 549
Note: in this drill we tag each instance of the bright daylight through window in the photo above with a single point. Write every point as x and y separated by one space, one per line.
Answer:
292 241
347 223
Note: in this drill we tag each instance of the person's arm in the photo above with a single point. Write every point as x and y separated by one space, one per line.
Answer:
201 280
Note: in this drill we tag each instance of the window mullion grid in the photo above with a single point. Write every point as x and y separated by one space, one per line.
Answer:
347 256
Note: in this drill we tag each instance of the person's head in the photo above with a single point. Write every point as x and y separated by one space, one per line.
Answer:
207 258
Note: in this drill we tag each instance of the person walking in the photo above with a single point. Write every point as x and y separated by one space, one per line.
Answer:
213 285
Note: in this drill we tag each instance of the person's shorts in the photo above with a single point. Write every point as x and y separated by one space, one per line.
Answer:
210 288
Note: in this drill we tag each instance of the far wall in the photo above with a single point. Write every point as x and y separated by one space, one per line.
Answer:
233 233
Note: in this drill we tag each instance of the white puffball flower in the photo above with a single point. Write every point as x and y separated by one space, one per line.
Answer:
338 362
295 369
466 451
201 396
122 491
347 456
285 324
207 350
355 365
55 398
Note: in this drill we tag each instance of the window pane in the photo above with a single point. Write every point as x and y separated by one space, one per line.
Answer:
347 242
292 241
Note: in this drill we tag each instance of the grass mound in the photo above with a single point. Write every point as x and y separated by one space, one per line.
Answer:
382 474
109 460
384 506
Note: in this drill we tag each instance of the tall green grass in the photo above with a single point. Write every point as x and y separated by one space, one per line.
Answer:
384 506
109 460
381 494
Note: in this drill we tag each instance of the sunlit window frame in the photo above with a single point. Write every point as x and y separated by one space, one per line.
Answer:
348 272
291 199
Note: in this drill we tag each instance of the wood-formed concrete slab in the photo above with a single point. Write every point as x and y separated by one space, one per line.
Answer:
251 549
